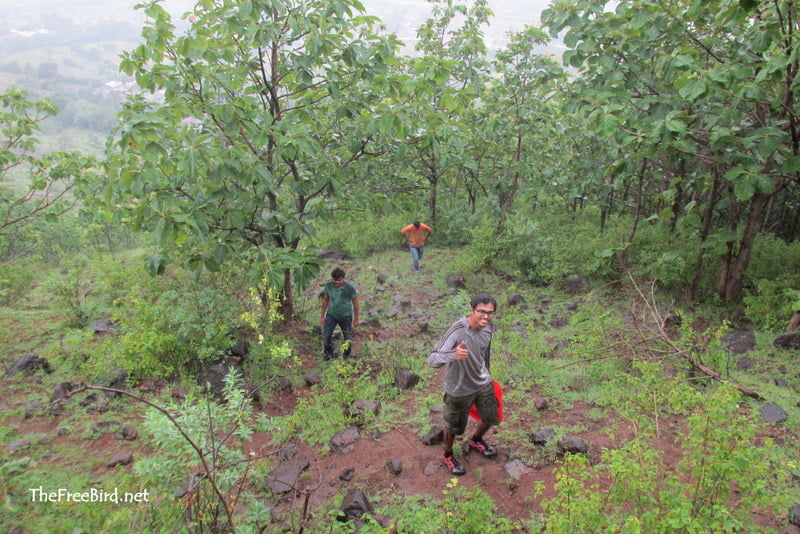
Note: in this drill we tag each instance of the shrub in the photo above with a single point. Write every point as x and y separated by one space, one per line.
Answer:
771 303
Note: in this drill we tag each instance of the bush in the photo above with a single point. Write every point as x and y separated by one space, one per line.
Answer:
771 303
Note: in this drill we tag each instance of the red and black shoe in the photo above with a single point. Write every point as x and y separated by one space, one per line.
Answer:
482 447
452 464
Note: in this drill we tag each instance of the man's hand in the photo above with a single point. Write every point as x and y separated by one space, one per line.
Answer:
461 352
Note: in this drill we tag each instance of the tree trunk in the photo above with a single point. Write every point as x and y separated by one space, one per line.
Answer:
730 287
708 219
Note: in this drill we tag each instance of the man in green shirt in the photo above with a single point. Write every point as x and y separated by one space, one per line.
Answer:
339 307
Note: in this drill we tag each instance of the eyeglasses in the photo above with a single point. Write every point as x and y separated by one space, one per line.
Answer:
485 313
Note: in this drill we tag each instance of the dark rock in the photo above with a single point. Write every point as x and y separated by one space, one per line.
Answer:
423 326
381 279
106 427
432 467
361 407
559 322
287 451
344 439
103 326
789 529
772 413
285 385
406 379
541 437
434 436
515 299
128 433
515 469
575 283
380 289
573 445
354 507
178 393
284 478
240 349
745 363
32 408
781 382
19 444
347 475
395 467
572 306
122 458
541 404
87 400
313 378
456 282
794 515
29 364
213 377
740 341
334 254
61 391
115 379
787 341
417 314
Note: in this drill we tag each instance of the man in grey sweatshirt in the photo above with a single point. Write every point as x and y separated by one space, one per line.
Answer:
464 352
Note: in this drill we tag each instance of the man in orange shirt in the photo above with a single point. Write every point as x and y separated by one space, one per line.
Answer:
416 234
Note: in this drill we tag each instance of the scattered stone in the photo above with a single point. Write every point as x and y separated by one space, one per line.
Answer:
573 445
434 436
122 458
285 385
740 341
115 379
240 349
347 475
381 279
781 382
573 305
361 407
456 282
61 391
395 467
575 283
423 326
287 451
313 378
32 408
128 433
794 515
103 326
515 469
334 254
417 314
432 467
746 363
772 413
380 289
106 427
542 437
541 404
344 439
406 379
178 393
19 444
87 400
515 299
29 364
284 478
354 507
787 341
213 377
559 322
789 529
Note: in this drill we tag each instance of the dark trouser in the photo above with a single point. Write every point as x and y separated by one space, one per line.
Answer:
346 325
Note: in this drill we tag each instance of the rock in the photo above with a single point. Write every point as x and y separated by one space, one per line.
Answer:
61 390
128 433
423 326
106 427
787 341
794 515
541 404
19 444
354 507
114 379
240 349
745 363
456 282
213 377
559 322
381 279
347 475
789 529
772 413
395 467
406 379
434 436
287 451
362 407
103 326
122 458
515 469
542 437
32 408
432 467
284 478
740 341
573 445
344 438
573 305
313 378
515 299
575 283
334 254
285 385
29 364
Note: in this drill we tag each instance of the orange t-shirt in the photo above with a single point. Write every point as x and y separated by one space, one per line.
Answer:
417 234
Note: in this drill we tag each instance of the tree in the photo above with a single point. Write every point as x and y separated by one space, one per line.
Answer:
255 120
44 184
699 98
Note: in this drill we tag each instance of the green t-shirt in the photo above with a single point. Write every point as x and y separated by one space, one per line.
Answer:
340 301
